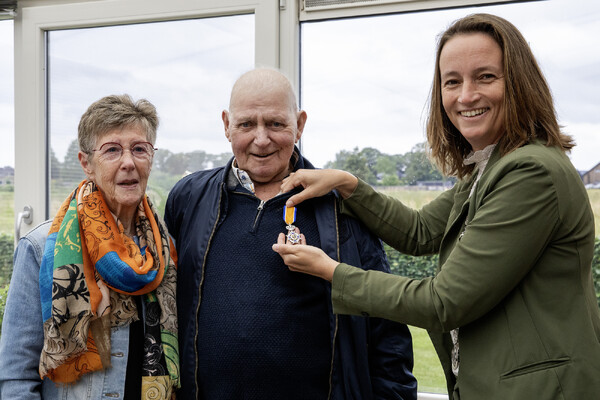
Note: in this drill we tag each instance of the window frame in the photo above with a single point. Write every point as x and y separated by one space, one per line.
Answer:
36 18
355 8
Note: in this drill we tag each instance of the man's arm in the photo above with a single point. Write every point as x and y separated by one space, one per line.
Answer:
390 343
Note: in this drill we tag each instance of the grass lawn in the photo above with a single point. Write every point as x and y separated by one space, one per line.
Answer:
428 369
7 213
413 198
594 195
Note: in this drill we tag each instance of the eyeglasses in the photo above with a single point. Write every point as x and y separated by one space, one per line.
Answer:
112 151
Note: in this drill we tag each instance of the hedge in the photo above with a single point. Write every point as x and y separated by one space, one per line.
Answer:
6 261
6 257
422 267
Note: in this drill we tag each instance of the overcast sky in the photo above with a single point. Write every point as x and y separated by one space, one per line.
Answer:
365 81
7 119
348 58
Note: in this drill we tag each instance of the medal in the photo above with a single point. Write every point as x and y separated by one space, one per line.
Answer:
289 217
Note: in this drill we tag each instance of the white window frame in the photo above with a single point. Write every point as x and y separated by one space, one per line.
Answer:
354 8
36 17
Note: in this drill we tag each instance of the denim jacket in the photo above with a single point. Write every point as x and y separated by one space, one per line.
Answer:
22 338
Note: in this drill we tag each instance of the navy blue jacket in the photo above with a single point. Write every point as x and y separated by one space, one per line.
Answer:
372 358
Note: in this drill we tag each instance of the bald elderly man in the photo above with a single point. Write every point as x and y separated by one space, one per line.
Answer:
249 327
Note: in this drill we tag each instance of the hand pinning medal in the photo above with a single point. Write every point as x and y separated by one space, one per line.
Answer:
289 217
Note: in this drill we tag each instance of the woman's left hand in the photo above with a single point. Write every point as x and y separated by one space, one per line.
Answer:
304 258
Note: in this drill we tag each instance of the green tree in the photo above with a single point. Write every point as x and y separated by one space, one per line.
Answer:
386 165
71 172
219 160
371 155
160 184
181 163
390 180
197 160
370 165
340 159
55 166
357 165
160 158
355 162
176 164
390 168
418 167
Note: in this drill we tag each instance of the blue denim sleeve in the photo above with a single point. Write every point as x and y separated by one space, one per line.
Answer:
22 333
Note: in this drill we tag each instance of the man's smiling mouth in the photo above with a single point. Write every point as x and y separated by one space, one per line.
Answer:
263 155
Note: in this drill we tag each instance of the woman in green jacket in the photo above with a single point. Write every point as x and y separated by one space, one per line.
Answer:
512 311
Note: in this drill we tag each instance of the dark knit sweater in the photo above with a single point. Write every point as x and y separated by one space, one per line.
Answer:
263 330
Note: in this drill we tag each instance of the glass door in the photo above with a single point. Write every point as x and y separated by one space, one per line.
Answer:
182 56
7 159
185 68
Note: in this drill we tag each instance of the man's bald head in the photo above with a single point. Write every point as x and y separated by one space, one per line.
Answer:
264 81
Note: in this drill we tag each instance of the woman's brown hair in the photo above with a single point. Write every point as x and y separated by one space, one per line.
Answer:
528 104
112 112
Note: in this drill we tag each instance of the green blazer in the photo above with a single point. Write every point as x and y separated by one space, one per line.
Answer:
514 275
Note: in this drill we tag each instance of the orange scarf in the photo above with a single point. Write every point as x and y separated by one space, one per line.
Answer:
79 278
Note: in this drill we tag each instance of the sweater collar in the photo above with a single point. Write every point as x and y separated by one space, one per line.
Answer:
237 176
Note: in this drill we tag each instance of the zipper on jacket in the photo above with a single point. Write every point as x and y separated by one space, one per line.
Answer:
337 245
212 234
259 210
332 358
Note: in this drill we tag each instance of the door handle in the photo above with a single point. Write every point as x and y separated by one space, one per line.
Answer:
24 216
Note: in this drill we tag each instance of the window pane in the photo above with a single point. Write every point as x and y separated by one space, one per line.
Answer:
365 85
365 81
185 68
7 160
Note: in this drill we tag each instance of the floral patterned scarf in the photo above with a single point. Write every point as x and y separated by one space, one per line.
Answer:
87 285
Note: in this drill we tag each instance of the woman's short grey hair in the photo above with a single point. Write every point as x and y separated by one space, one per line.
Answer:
116 111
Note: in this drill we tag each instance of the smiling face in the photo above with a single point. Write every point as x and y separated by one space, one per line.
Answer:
263 126
122 181
473 84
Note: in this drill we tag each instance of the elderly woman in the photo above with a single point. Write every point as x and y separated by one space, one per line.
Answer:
91 311
512 310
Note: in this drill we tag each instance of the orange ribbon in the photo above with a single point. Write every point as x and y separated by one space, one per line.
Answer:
289 215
